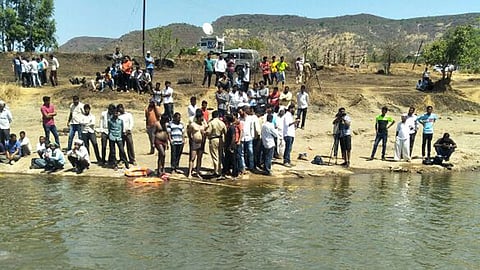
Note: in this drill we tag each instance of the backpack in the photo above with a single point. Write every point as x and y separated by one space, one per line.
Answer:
317 160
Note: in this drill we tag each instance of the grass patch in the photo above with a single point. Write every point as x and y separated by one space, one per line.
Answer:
9 92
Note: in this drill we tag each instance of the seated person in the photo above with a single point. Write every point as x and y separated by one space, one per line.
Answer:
54 159
420 85
41 146
78 156
13 149
26 147
445 146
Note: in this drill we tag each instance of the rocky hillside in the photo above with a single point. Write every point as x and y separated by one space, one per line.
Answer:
352 34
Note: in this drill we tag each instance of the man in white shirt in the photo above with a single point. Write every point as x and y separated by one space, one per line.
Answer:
299 70
54 65
269 134
74 120
5 121
413 126
247 139
103 129
289 125
302 102
402 143
25 144
88 131
220 68
34 73
79 157
192 108
167 95
127 138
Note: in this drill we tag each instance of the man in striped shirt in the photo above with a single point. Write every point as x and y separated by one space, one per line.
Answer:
176 134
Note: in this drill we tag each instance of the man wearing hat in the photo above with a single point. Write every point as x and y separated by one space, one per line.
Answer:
54 158
78 156
149 64
402 143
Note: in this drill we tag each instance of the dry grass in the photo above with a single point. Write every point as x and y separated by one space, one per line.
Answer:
9 92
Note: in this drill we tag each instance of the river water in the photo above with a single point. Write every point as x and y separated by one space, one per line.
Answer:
379 221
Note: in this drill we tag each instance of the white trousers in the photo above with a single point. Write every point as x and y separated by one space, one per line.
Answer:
402 149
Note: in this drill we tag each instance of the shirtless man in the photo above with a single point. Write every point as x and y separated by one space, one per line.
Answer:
196 136
161 143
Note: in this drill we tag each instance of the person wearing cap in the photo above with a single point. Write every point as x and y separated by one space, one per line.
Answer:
54 158
402 142
149 64
152 116
5 121
48 114
79 157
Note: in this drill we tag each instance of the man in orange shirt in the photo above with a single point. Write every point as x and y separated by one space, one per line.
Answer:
152 116
127 69
205 110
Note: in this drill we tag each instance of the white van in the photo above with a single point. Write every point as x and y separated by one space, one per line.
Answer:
242 56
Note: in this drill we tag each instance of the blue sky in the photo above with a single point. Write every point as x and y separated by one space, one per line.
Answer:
116 17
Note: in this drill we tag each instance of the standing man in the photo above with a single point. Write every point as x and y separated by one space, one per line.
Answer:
115 133
289 125
215 132
343 135
5 121
220 68
176 135
48 114
117 58
167 95
127 119
246 77
149 64
282 66
402 144
54 65
382 124
302 102
230 163
104 118
413 127
152 116
274 71
299 70
285 98
427 120
222 98
265 68
269 135
75 120
88 132
208 64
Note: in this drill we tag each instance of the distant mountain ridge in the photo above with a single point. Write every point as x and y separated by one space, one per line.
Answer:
284 34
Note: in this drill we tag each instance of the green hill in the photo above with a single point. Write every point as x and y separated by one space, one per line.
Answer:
285 34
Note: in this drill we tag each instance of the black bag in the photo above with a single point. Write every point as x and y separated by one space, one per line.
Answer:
438 160
427 161
317 160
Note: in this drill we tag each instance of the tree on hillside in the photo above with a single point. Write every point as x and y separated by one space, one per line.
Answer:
392 50
27 25
163 43
459 46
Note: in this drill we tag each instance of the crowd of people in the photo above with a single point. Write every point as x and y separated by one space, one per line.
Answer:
252 125
32 72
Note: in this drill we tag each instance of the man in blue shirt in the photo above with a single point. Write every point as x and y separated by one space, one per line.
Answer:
149 64
208 64
115 133
427 120
13 149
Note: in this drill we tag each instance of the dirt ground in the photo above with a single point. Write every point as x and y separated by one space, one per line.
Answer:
361 92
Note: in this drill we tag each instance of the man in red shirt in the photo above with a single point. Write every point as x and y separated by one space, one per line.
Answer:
48 114
265 68
205 110
274 99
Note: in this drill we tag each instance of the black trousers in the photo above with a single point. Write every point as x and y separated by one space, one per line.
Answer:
230 162
113 153
175 154
90 137
427 142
